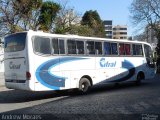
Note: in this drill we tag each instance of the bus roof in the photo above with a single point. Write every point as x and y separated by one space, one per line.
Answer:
71 36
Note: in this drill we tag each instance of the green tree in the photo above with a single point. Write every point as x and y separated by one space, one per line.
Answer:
81 30
28 11
18 15
93 20
8 16
48 13
66 19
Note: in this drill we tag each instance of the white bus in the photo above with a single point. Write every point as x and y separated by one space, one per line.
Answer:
39 61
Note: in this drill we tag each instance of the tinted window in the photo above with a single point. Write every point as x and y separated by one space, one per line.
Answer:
121 49
15 42
134 49
55 46
148 54
124 49
114 48
58 46
71 46
137 49
42 45
148 51
107 48
90 47
98 48
61 46
80 47
127 49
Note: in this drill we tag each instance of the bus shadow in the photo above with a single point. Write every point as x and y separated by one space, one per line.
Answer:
117 87
19 96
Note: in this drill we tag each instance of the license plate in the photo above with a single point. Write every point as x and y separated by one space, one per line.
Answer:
14 77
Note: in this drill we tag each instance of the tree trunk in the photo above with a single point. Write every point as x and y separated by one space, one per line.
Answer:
158 49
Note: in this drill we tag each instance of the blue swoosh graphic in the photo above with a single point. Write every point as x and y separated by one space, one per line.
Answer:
48 79
127 65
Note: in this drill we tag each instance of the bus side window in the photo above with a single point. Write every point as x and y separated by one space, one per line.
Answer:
98 48
80 47
71 45
90 47
148 54
121 49
42 45
61 46
127 49
147 51
114 48
140 50
137 50
134 49
55 46
58 46
107 48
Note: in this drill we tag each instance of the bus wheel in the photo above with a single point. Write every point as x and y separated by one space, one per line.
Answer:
84 85
140 77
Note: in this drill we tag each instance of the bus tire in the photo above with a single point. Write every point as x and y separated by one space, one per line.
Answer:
140 77
84 85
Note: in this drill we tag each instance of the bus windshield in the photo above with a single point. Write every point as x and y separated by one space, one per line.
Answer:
15 42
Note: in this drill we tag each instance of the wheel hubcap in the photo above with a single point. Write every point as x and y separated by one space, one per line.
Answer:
83 86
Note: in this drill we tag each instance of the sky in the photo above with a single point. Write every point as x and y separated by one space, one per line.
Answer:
115 10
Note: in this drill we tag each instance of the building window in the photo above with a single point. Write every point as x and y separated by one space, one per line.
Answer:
123 28
123 33
115 29
108 27
109 32
114 33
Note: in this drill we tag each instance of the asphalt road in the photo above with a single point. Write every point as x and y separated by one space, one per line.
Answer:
123 102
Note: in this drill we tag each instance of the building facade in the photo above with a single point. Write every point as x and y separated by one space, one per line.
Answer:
120 32
115 32
108 28
150 36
